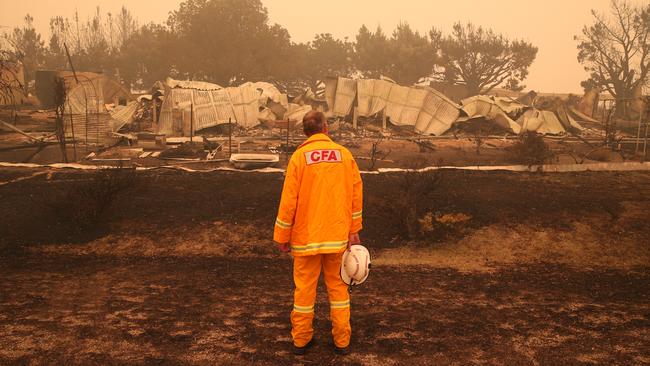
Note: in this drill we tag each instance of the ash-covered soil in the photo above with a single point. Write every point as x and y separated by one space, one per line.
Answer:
513 269
99 311
163 200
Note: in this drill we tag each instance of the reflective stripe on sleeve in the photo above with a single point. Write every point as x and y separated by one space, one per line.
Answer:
282 224
303 309
340 304
357 215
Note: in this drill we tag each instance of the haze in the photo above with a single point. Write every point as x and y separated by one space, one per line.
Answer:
550 25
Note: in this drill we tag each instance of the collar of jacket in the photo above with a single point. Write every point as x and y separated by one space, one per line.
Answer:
316 137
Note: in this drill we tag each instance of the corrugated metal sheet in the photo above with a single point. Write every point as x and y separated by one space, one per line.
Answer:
245 102
330 91
544 122
437 115
365 91
484 106
425 108
189 84
91 94
346 92
413 106
396 102
268 92
211 107
86 107
123 115
372 96
94 128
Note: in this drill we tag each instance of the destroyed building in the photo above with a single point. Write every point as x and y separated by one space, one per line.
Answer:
191 106
430 112
96 105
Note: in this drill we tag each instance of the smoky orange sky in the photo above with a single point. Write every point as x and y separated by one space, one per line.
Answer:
550 24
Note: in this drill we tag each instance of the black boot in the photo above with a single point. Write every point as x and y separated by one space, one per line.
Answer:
299 351
342 351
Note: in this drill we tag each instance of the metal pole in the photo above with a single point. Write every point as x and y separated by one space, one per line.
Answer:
97 116
74 73
286 147
645 141
638 134
340 123
74 140
155 110
192 122
230 137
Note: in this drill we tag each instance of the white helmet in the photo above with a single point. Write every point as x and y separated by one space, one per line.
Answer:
355 266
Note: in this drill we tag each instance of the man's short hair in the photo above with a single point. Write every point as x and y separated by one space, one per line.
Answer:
313 123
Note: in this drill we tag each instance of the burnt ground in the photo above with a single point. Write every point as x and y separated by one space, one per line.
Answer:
218 311
180 269
34 210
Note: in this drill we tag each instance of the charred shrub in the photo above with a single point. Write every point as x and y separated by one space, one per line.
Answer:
79 208
530 149
415 191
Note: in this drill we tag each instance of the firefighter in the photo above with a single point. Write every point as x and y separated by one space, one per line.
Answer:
318 219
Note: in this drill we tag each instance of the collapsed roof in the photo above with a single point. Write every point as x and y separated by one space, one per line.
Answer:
432 113
429 111
493 109
209 105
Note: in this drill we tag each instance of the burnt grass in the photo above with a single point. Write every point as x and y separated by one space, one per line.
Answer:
96 310
164 198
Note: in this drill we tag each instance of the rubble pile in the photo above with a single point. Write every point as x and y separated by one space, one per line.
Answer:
191 106
430 112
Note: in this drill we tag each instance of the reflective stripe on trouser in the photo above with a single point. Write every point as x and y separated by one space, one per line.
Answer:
306 271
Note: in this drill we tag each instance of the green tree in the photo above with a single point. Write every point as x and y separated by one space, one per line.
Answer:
227 41
144 57
372 53
615 50
480 59
406 57
326 56
413 57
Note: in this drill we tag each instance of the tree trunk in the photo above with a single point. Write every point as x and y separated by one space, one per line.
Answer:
473 89
621 100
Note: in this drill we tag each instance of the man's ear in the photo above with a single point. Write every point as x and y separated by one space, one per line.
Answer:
326 127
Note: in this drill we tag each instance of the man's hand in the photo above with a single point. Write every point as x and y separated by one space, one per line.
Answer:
284 248
353 239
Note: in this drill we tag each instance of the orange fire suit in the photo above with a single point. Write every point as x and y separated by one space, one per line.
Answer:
321 206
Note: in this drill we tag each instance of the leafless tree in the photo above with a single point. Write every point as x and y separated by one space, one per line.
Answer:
615 50
10 81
